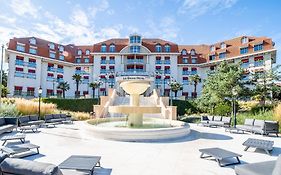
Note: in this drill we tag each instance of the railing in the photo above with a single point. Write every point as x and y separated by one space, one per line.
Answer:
19 74
258 63
51 69
167 62
85 81
31 75
167 72
158 62
103 62
19 62
59 80
245 65
133 74
50 78
60 70
111 61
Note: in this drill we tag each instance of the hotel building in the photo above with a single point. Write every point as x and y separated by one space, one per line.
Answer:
35 62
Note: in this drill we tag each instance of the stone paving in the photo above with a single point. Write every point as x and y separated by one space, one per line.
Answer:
175 157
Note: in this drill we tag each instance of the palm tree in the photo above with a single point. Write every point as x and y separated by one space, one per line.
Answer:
95 85
77 78
175 87
195 79
64 86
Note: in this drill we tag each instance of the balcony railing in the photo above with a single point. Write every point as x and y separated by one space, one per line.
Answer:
19 74
111 61
50 78
193 72
103 62
158 62
59 80
167 62
18 92
60 70
258 63
31 75
31 64
85 81
51 69
245 65
19 62
185 72
167 72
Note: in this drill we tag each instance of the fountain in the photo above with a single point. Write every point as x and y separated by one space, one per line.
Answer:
137 127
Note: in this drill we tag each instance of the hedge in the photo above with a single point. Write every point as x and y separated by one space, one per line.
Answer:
81 105
182 105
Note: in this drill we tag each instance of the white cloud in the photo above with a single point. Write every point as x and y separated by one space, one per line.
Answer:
196 8
101 6
79 17
25 7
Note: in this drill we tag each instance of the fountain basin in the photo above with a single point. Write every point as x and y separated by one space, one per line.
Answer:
135 109
111 131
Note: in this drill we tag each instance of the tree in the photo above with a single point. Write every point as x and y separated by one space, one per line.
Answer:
95 85
64 86
263 82
77 78
195 79
4 78
4 91
175 87
217 88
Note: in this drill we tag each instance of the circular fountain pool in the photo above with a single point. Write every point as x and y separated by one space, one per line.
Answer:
152 130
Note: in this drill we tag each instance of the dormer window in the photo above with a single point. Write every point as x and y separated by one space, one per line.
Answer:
61 48
192 52
167 48
87 52
212 48
52 46
244 40
158 48
103 48
184 52
32 41
223 45
112 48
79 52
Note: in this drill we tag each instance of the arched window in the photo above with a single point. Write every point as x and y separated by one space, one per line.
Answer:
192 52
32 41
184 52
112 48
223 45
79 52
87 52
212 48
167 48
103 48
158 48
52 46
61 48
244 40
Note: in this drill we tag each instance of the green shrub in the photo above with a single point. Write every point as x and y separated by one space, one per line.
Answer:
223 109
185 106
8 110
81 105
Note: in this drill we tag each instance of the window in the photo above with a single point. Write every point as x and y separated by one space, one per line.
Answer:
212 57
244 40
245 63
103 60
135 49
185 71
223 45
31 74
30 91
112 48
185 81
78 60
212 48
258 47
184 52
61 48
52 55
111 60
194 60
32 41
158 48
31 63
79 52
103 48
184 60
61 57
244 50
167 60
167 70
52 46
259 61
18 90
193 71
87 52
192 52
158 60
20 48
86 60
135 39
222 55
167 48
32 50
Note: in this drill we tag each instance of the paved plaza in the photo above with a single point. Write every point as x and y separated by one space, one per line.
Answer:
175 157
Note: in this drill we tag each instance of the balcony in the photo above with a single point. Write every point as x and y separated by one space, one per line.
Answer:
60 80
19 62
31 75
31 64
167 62
185 72
103 62
158 81
19 74
259 63
60 70
185 82
51 69
167 72
111 61
193 72
85 81
158 62
18 92
103 71
30 93
245 65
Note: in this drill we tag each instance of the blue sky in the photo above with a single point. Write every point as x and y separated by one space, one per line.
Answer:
180 21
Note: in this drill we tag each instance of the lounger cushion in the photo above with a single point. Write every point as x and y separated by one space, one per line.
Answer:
217 118
226 119
56 116
2 121
48 116
33 117
63 115
261 168
204 118
277 168
244 127
249 122
24 119
24 167
3 156
259 123
210 118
